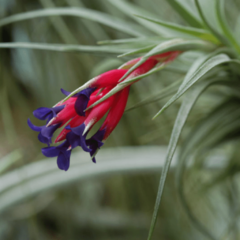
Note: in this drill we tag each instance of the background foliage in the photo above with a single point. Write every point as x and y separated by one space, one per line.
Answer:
41 53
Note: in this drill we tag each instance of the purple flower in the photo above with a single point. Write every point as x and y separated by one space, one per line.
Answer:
45 133
62 152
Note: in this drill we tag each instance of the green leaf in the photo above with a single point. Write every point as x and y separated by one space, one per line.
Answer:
196 32
103 18
223 23
185 14
189 101
34 178
224 112
131 10
145 40
221 121
192 79
64 47
208 26
137 51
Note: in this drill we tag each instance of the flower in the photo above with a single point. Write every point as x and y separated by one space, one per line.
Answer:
76 118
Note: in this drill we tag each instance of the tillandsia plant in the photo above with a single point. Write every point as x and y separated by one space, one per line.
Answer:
80 111
212 49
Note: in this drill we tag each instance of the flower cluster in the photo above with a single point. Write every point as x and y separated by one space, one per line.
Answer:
76 120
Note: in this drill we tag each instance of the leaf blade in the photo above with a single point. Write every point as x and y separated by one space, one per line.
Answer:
93 15
187 83
182 116
196 32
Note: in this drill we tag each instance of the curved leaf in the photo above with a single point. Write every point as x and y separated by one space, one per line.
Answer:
185 14
189 100
223 23
192 79
103 18
63 47
196 32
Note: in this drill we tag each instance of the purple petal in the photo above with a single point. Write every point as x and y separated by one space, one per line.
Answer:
66 93
48 131
73 139
33 127
42 113
50 151
57 109
46 140
79 130
63 160
84 145
81 104
82 100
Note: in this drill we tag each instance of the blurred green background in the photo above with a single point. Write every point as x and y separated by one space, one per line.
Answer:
115 205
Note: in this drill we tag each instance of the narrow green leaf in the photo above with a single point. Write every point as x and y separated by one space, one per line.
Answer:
59 24
223 23
43 175
189 100
64 47
196 32
191 80
208 26
137 51
185 14
205 127
131 10
93 15
145 40
224 119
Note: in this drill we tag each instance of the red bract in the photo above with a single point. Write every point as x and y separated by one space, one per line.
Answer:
77 118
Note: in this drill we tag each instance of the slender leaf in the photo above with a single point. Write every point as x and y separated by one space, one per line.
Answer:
219 123
63 47
131 10
182 116
93 15
196 32
34 178
188 82
144 40
185 14
223 23
208 25
137 51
